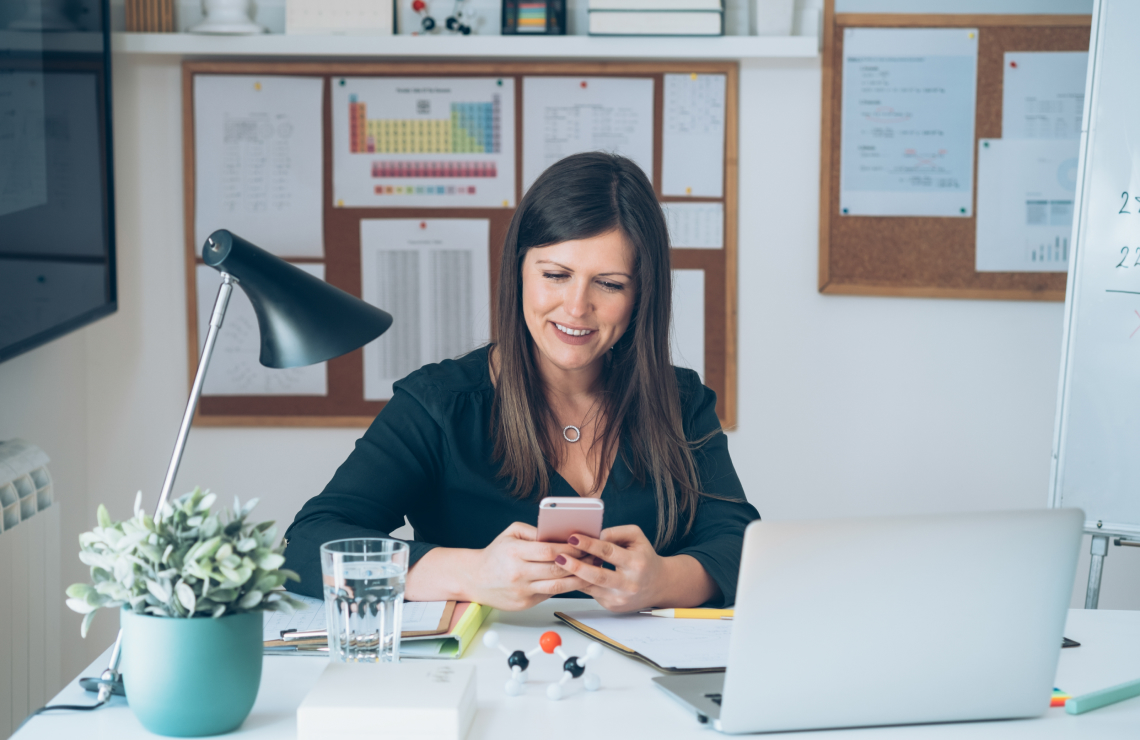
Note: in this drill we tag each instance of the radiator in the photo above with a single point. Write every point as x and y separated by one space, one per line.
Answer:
31 596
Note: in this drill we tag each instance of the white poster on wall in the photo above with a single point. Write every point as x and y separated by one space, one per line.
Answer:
692 139
568 115
258 161
426 142
908 122
433 276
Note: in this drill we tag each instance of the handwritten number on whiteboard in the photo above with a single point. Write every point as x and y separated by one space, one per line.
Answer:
1125 204
1124 256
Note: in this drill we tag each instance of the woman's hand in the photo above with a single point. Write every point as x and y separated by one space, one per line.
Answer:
641 578
514 572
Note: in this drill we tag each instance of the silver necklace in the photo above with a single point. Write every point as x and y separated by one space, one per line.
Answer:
566 435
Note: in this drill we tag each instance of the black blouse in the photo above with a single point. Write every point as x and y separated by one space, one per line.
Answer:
429 456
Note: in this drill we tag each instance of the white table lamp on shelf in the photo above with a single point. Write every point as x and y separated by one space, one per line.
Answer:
227 17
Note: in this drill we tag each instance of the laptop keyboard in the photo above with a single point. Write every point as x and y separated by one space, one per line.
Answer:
714 697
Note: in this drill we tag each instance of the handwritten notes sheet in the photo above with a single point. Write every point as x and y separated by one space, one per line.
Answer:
433 276
258 162
692 141
908 122
568 115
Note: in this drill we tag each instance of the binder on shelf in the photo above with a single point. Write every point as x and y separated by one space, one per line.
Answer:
656 23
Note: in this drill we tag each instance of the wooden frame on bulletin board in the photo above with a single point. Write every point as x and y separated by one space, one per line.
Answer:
344 404
915 256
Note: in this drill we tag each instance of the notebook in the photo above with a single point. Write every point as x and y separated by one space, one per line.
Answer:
432 629
672 646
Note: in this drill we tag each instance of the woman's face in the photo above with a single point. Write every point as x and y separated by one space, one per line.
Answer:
578 298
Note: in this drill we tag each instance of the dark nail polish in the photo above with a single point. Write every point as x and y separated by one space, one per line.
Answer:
572 541
560 560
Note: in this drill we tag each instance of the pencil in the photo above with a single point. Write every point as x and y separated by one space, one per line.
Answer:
689 613
1102 698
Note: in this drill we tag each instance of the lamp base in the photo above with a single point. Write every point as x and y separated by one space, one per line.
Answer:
93 684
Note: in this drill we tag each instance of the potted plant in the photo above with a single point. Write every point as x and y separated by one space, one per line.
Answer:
191 585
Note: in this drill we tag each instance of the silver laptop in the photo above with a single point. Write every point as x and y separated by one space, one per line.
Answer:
901 620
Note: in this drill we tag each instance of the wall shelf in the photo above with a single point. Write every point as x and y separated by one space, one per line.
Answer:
476 47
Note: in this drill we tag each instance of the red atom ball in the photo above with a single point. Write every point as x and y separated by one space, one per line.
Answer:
549 641
418 5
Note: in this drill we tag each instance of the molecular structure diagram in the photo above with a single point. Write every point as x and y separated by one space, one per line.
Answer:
551 644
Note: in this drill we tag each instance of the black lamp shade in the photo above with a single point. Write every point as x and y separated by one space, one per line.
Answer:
303 320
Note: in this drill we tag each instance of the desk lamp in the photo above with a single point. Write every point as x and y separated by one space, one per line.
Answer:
302 321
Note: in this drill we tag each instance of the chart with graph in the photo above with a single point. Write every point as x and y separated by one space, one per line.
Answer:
423 142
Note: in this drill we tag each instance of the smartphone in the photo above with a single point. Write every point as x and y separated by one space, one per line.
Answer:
561 516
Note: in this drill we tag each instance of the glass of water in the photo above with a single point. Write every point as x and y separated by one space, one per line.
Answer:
364 598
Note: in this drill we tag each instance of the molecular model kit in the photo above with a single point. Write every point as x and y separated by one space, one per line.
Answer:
550 643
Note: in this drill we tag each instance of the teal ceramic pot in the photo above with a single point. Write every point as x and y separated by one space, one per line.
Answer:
191 677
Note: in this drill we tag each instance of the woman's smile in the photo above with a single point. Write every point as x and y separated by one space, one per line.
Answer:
578 299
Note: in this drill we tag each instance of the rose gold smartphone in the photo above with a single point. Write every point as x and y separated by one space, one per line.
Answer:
561 516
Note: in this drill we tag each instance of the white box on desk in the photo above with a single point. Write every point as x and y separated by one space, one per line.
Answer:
389 701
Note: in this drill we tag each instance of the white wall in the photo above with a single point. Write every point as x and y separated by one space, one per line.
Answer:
43 399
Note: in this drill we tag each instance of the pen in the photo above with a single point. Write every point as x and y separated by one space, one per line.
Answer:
689 613
1102 698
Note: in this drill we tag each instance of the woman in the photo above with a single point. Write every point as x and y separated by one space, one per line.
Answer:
576 397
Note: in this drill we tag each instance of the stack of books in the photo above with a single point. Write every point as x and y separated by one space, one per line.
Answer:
656 18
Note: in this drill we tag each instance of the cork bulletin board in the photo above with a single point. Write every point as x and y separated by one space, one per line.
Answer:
922 256
344 403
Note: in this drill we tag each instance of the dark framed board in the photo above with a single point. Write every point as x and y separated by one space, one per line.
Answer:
927 256
343 401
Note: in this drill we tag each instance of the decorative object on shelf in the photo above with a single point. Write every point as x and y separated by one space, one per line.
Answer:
540 17
427 23
227 17
656 18
456 21
551 644
150 16
356 17
191 585
25 484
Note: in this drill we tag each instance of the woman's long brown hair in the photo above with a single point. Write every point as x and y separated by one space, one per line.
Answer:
579 197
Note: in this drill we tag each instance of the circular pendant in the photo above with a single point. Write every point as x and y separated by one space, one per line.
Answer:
577 433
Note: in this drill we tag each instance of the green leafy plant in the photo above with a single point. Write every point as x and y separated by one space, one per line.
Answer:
191 563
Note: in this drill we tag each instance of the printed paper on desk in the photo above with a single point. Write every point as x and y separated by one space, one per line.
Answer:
433 276
418 616
692 139
235 368
568 115
1026 189
1043 94
427 142
908 121
258 161
670 643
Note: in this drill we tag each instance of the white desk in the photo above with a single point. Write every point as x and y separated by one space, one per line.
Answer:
628 705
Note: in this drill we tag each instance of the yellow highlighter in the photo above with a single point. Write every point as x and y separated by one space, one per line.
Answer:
690 613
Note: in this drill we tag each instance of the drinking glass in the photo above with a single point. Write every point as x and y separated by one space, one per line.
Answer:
364 598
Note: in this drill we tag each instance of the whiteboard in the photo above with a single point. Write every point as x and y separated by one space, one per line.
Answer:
1096 448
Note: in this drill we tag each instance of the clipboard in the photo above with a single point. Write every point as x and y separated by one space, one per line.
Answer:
593 634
